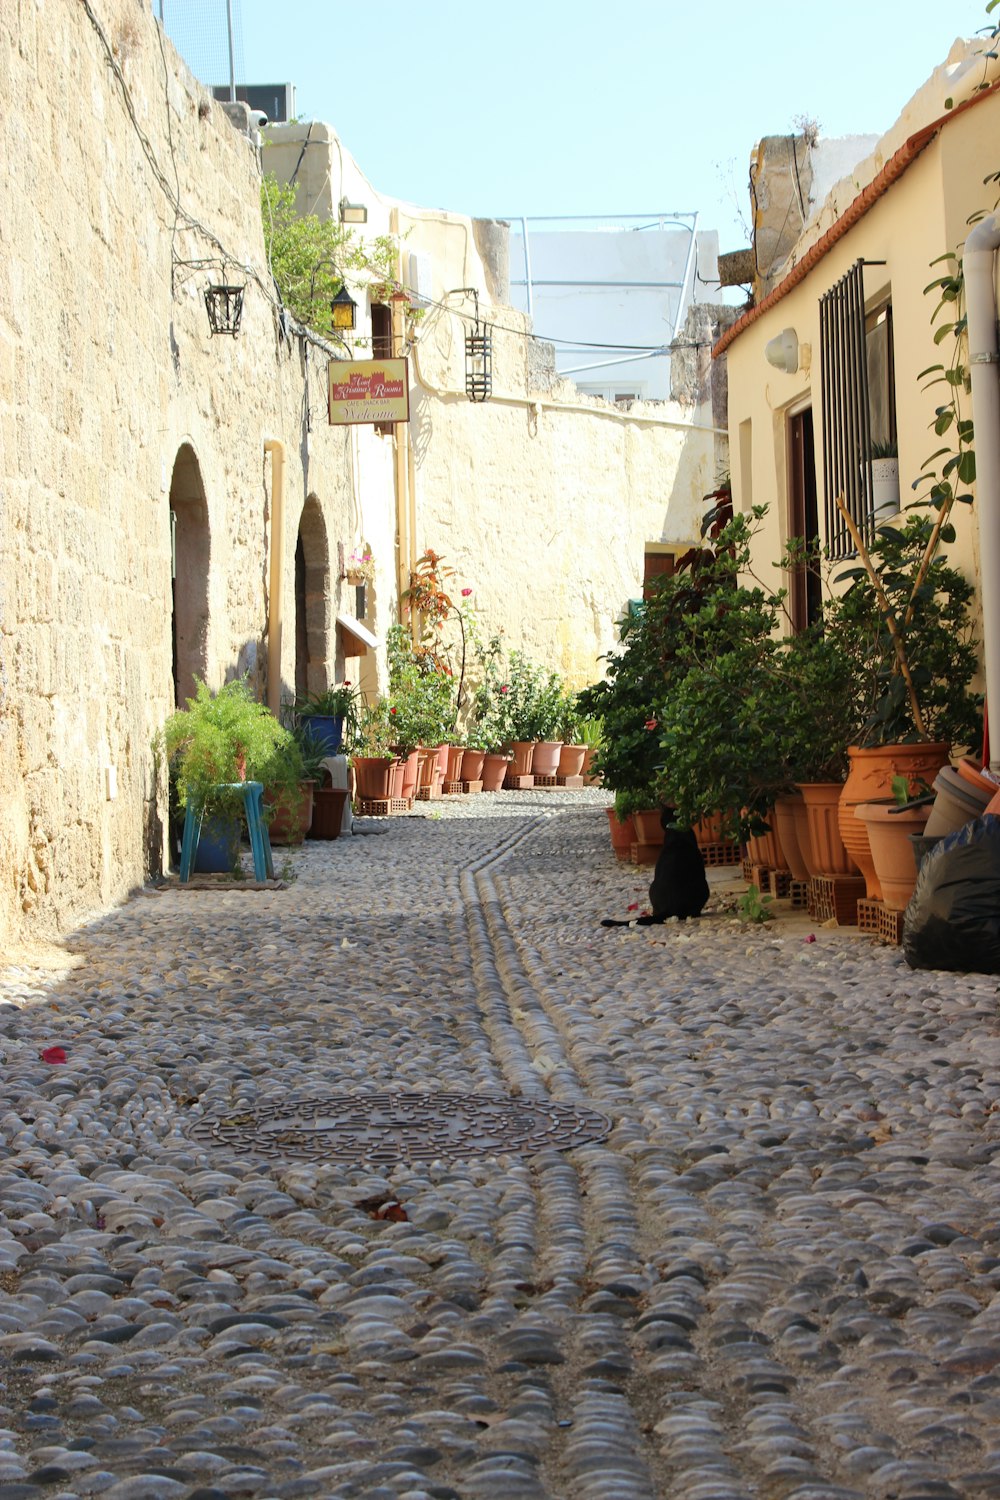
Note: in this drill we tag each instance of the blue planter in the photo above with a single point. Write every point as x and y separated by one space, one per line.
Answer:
218 847
327 731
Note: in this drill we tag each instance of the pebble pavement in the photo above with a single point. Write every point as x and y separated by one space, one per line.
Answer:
778 1276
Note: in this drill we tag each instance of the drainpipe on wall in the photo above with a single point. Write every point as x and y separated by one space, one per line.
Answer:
277 451
405 556
981 307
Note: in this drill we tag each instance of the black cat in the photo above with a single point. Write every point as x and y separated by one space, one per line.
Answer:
678 888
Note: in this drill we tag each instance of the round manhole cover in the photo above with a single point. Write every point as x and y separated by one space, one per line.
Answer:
391 1127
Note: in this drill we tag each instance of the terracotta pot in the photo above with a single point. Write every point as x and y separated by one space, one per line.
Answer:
869 778
523 752
494 771
545 759
292 816
588 761
889 830
372 777
428 766
472 765
647 825
786 829
328 812
442 762
709 830
822 800
456 755
571 759
396 777
622 834
803 834
411 771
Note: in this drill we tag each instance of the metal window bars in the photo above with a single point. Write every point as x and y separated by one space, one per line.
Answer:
846 423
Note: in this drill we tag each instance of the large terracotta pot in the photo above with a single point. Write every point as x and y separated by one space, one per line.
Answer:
647 825
870 778
372 777
709 830
456 755
545 760
803 835
786 827
494 771
472 765
396 777
765 848
889 829
523 752
571 759
428 761
411 773
622 834
822 802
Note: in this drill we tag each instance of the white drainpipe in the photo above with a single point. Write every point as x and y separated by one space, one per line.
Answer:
981 306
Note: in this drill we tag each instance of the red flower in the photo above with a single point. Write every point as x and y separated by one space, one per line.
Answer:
392 710
651 723
505 688
53 1055
466 593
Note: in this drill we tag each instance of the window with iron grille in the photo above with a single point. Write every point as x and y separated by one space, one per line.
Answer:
858 401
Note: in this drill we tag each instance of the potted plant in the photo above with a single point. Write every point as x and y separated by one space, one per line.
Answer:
328 712
904 620
370 753
217 742
573 750
883 467
289 805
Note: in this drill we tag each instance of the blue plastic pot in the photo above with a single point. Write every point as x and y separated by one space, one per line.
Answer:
327 731
218 847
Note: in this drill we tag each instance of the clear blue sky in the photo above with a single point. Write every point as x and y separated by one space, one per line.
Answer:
576 107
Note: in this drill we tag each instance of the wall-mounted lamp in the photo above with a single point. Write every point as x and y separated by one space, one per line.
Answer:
225 308
353 213
783 351
345 311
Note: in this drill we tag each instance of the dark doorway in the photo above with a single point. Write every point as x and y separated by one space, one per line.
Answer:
805 594
190 560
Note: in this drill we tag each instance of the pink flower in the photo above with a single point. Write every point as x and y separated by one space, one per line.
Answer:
505 688
466 593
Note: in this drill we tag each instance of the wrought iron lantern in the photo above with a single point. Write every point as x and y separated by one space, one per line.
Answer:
344 310
225 308
479 359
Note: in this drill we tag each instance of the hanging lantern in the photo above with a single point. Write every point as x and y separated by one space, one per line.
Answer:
225 308
479 360
345 311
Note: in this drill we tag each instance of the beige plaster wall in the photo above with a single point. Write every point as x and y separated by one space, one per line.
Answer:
920 217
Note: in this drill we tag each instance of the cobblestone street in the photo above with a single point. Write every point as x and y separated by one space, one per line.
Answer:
777 1276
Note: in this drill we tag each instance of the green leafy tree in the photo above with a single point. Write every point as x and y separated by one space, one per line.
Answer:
310 257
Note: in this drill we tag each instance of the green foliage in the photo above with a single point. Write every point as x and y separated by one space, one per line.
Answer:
530 703
487 721
374 732
753 907
421 694
930 603
224 738
309 256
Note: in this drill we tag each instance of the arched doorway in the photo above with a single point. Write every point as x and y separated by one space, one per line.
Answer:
312 601
190 558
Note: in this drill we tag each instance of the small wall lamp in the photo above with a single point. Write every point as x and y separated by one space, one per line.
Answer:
783 351
353 213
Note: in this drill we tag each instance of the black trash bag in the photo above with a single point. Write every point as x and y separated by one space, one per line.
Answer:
953 919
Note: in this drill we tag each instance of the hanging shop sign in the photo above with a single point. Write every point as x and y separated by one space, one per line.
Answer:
369 390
